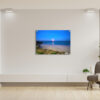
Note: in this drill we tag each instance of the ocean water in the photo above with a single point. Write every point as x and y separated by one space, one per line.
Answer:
65 43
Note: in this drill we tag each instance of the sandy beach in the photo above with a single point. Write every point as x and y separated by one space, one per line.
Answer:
60 48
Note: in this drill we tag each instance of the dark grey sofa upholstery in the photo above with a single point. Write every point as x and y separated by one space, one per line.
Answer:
97 67
94 78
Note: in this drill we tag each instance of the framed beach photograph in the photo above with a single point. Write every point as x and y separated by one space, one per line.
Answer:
53 42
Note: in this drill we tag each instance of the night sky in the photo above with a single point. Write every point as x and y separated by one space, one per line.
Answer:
56 35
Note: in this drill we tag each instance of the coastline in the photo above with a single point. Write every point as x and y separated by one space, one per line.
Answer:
60 48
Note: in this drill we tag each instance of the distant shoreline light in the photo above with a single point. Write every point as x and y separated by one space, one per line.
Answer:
53 40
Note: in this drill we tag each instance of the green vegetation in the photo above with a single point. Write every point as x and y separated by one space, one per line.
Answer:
85 70
46 51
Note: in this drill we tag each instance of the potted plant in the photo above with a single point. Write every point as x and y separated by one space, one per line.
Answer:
86 70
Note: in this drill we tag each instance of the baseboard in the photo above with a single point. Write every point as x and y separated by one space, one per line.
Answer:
28 84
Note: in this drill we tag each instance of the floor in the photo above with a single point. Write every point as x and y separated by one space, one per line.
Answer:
49 93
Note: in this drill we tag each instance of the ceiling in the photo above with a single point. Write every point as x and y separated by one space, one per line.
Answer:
49 4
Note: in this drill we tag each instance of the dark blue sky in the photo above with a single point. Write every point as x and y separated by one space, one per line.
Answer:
57 35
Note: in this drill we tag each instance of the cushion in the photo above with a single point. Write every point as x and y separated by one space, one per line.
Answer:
93 78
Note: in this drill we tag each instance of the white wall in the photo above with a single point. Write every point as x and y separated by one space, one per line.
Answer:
18 41
49 4
0 46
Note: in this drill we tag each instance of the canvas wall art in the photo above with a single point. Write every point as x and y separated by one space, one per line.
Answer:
53 42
